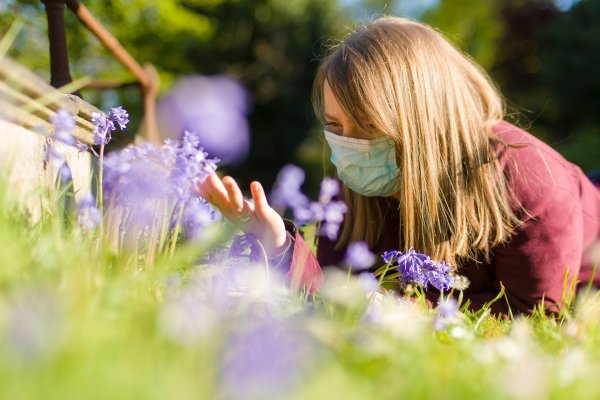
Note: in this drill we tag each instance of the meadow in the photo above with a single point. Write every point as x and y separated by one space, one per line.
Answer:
137 291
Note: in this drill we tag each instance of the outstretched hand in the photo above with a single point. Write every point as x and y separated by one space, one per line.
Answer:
257 218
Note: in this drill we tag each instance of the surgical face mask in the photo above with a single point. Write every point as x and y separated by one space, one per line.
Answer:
366 166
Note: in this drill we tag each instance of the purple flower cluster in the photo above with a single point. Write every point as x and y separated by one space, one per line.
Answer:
419 269
148 183
264 359
88 214
358 255
214 109
447 310
328 212
105 124
191 163
287 192
63 123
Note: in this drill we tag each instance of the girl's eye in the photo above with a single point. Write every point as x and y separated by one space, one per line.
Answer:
334 127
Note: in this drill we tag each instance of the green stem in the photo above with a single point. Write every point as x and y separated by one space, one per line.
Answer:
176 231
100 174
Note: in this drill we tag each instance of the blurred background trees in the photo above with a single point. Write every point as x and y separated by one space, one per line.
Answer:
542 53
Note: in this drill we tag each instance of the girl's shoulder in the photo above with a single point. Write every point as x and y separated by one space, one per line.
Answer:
537 174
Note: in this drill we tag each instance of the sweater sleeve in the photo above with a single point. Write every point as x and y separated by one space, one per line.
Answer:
304 270
538 265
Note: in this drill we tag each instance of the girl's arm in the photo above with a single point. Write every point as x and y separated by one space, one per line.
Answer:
286 249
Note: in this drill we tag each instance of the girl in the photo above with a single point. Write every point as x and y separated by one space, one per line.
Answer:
417 136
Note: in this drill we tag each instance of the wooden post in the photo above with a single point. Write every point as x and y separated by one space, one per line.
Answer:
60 74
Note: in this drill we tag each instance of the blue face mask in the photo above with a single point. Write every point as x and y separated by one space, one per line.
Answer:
366 166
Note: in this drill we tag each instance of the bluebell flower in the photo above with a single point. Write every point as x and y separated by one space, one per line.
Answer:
264 359
409 264
446 312
191 164
329 230
103 128
388 256
420 269
65 137
120 116
81 146
326 212
334 212
438 275
63 121
64 173
89 215
368 282
286 190
330 188
359 256
197 215
214 109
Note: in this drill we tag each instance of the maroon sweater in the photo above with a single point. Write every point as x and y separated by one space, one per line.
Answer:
557 237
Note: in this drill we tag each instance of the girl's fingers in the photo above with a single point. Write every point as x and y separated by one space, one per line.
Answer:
248 207
236 199
260 200
216 191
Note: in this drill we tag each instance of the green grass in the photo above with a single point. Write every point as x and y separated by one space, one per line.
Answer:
79 322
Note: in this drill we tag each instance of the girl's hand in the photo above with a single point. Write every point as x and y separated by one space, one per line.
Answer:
258 218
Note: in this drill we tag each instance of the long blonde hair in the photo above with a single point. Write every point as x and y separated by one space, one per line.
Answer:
403 79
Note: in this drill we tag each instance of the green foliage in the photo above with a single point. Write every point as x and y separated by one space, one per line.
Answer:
475 26
92 325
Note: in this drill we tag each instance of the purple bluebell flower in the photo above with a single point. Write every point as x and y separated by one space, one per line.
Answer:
63 121
104 126
81 146
137 182
410 265
54 157
334 212
197 215
390 255
64 173
368 282
65 137
120 116
438 275
191 164
147 182
358 255
420 269
330 188
329 230
446 312
214 109
246 246
89 215
263 360
286 192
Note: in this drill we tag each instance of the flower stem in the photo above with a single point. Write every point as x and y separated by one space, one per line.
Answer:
100 170
100 194
176 230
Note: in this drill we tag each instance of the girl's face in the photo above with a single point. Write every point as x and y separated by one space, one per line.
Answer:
336 121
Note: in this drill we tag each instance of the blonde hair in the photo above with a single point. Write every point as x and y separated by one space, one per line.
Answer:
403 79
